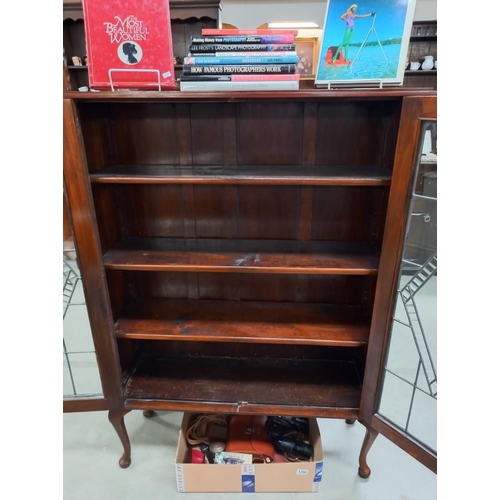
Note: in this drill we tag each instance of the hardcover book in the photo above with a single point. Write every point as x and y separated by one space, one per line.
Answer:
242 60
365 46
237 86
237 32
241 78
235 69
249 53
240 47
244 39
129 44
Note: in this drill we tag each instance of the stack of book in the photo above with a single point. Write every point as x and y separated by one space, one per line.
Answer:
241 60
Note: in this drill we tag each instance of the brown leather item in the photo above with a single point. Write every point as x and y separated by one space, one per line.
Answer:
248 434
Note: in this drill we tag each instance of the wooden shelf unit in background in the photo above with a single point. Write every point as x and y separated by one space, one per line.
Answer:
423 42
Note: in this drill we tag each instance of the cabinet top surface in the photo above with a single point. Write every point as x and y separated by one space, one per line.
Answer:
312 94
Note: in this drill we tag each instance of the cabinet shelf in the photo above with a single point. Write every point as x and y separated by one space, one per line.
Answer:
421 72
423 38
258 174
243 256
290 386
235 321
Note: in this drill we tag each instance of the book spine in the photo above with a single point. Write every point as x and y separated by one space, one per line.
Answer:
240 78
237 86
241 60
236 32
243 47
249 53
235 69
266 39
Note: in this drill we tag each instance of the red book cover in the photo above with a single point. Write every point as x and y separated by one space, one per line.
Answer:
129 44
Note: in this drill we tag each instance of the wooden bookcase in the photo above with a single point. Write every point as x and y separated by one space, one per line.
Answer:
239 251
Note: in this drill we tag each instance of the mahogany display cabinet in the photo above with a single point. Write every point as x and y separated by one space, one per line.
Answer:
239 252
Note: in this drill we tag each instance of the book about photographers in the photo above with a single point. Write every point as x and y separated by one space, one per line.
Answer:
235 69
129 44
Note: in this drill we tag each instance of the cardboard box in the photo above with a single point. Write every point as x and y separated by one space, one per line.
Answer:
257 478
129 44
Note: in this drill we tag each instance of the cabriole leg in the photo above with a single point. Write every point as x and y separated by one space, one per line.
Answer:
116 419
370 436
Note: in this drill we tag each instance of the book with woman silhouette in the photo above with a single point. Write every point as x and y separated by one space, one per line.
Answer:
129 44
129 50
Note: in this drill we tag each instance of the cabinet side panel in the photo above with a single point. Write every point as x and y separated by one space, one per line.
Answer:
107 214
95 121
121 291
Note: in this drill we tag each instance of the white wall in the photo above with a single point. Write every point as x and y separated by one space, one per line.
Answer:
248 14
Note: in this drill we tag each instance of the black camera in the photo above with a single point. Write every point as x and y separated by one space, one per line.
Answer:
289 435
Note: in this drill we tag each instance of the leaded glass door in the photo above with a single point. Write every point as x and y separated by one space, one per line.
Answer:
399 397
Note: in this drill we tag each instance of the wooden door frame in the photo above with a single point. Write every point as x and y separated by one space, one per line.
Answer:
88 248
413 112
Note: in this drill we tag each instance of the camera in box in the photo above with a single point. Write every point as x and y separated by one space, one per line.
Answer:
300 476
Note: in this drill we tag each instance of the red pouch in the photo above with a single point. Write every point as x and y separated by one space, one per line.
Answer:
248 434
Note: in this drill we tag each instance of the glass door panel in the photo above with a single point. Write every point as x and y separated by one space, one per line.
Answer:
80 371
409 392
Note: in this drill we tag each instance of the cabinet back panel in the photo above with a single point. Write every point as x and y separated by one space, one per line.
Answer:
341 132
156 210
355 133
146 134
270 133
245 350
208 124
348 213
328 289
336 213
218 211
